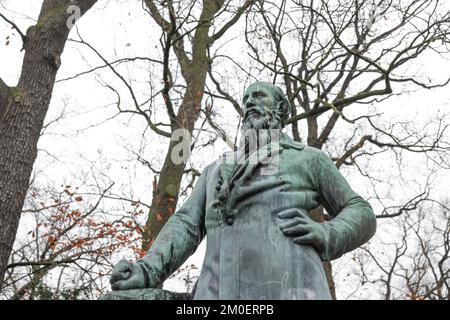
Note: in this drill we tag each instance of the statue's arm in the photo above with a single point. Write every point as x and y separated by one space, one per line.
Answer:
179 237
354 222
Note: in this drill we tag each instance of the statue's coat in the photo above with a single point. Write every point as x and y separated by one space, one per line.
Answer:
247 255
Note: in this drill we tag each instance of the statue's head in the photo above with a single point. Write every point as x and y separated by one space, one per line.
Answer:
265 106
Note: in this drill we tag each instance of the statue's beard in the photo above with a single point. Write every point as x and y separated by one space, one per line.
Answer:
257 129
269 120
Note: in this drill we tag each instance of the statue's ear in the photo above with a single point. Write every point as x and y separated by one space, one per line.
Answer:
284 110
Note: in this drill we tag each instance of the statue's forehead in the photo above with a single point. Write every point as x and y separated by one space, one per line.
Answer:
260 86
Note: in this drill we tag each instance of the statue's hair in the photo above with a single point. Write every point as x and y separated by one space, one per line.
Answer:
283 105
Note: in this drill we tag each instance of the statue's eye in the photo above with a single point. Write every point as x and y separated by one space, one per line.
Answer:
259 95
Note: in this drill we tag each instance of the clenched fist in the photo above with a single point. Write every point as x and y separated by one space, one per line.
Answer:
128 275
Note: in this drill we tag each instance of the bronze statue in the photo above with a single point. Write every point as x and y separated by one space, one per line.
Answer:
261 241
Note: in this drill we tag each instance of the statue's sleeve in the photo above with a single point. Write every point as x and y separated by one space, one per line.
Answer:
179 238
353 222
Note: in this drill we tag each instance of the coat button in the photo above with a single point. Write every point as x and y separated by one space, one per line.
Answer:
218 187
221 197
230 221
220 181
215 204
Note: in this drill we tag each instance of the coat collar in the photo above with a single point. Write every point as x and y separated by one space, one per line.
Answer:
231 162
233 170
285 142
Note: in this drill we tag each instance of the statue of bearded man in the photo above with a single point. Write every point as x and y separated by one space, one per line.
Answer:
261 240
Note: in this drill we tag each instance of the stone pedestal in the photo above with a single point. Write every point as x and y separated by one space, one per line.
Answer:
145 294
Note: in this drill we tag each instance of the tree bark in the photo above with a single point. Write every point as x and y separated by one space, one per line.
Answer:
166 190
319 216
22 112
194 71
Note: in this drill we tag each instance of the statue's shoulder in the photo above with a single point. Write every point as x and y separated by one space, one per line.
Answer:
307 151
294 145
287 142
315 153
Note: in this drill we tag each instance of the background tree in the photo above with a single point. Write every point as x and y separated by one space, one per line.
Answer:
70 244
194 64
23 108
415 264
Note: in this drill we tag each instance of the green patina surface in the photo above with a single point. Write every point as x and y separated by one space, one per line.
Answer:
262 243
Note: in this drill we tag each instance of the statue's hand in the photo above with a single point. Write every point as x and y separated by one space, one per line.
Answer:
128 275
304 230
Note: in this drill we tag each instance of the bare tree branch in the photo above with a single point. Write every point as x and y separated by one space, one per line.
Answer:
22 36
247 4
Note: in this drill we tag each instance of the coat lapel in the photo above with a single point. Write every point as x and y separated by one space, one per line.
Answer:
234 171
268 154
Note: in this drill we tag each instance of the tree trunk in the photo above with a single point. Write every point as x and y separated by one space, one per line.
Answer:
166 190
318 214
22 112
